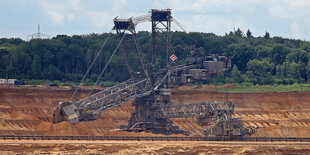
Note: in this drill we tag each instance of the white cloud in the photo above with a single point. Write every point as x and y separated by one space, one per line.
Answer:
216 16
290 8
57 18
70 17
296 30
298 3
278 8
287 18
295 14
213 24
120 4
24 3
225 15
53 12
60 11
75 4
100 19
211 5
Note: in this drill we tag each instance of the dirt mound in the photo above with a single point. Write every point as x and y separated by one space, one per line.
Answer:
147 147
273 114
64 128
227 85
246 101
282 131
18 115
27 111
204 87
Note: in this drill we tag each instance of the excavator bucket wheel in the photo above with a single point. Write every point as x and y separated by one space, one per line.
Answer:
57 115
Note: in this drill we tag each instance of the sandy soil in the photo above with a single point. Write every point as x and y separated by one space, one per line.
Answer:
28 111
146 147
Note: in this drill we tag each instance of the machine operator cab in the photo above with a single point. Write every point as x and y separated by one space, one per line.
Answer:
213 64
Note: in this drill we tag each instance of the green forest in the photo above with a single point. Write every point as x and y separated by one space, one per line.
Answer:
260 60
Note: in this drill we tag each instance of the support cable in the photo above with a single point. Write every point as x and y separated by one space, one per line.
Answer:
180 25
141 19
85 75
106 65
185 30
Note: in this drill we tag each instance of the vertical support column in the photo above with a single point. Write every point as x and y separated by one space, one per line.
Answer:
168 26
161 21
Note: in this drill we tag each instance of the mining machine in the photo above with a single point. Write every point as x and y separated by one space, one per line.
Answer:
151 88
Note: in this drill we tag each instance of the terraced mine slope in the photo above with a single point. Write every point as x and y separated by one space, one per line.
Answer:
147 147
28 111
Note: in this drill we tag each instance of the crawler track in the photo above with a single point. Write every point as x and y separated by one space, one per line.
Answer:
150 138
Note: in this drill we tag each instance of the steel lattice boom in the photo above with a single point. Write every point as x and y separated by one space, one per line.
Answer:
204 109
89 107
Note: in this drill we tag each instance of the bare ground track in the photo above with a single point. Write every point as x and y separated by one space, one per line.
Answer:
156 138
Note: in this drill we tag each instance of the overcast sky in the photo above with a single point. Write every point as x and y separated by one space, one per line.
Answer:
286 18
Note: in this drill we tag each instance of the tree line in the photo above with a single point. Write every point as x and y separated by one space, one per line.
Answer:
256 60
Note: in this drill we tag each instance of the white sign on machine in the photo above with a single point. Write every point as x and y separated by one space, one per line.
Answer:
173 57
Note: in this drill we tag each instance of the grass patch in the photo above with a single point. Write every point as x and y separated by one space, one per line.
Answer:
86 82
238 88
264 88
48 82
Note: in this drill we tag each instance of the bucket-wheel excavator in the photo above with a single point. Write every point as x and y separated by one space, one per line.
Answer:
151 88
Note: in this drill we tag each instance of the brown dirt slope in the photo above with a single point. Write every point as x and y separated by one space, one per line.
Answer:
153 148
28 111
273 114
